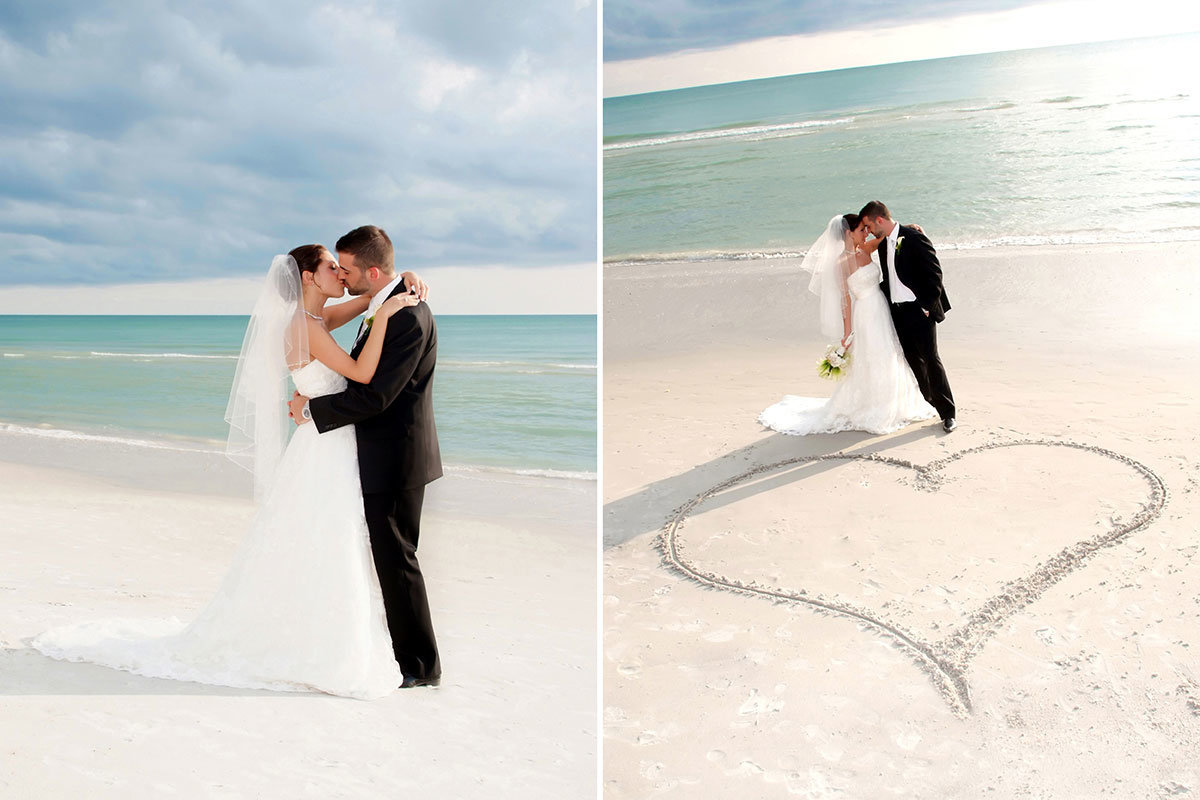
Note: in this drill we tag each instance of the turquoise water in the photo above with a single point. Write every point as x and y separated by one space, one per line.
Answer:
1086 143
510 392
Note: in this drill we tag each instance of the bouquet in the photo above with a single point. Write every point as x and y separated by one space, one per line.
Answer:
836 360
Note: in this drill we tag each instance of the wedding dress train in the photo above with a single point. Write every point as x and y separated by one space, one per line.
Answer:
300 608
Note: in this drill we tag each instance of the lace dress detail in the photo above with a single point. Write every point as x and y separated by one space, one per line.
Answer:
879 393
300 608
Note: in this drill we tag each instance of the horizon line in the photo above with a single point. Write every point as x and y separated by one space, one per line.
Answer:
886 63
1032 27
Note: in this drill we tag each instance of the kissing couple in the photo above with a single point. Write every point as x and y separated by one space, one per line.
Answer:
886 316
325 592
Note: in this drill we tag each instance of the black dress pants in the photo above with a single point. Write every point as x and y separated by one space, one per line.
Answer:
394 522
918 338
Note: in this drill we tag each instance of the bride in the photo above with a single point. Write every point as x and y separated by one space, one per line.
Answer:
300 608
879 393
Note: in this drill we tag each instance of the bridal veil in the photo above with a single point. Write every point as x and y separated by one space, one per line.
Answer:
830 266
276 343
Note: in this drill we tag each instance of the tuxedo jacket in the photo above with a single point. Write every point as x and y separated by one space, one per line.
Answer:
393 414
918 268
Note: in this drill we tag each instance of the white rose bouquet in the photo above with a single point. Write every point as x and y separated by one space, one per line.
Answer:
836 360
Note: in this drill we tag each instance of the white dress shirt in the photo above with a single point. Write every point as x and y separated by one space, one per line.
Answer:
377 300
900 293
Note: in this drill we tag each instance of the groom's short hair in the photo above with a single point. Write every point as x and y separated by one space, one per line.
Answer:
370 247
874 209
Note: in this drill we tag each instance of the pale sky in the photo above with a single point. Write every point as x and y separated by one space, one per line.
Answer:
453 290
878 32
157 155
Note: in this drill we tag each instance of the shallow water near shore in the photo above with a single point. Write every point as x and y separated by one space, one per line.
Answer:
512 393
1079 144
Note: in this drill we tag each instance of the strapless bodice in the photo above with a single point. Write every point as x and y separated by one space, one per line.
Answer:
315 379
864 279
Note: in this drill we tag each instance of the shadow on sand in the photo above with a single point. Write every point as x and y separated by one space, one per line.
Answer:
26 672
648 509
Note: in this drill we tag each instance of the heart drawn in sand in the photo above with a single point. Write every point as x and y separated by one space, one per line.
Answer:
944 656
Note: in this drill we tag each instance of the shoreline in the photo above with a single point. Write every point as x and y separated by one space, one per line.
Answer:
201 461
162 381
1127 297
1015 243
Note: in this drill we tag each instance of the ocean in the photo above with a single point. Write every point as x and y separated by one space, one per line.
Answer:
511 393
1062 145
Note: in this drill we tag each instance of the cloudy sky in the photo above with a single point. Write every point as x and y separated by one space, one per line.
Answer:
152 153
651 45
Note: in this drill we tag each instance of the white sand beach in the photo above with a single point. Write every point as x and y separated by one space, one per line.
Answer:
1011 610
92 530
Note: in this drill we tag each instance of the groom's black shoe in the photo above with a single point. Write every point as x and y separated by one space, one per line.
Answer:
948 424
411 682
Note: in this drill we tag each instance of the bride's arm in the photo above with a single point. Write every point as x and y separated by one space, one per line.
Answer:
846 262
339 314
323 348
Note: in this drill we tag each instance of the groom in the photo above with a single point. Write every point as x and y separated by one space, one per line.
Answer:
397 444
912 285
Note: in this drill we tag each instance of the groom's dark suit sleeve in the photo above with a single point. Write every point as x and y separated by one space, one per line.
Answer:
926 273
402 351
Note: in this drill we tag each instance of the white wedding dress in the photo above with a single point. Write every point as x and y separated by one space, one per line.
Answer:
300 608
878 394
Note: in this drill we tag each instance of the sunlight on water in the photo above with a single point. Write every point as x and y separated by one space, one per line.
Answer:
1087 143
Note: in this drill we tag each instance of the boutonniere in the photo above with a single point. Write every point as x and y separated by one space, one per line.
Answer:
367 323
899 242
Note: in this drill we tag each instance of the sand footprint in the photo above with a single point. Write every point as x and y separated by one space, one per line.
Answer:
723 634
907 740
757 705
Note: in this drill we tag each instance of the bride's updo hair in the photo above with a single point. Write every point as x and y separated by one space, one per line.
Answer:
852 221
308 256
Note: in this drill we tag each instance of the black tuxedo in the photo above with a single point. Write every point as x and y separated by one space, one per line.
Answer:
397 438
917 267
398 455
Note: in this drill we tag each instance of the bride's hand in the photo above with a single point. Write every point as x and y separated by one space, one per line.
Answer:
394 304
915 227
415 285
296 408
